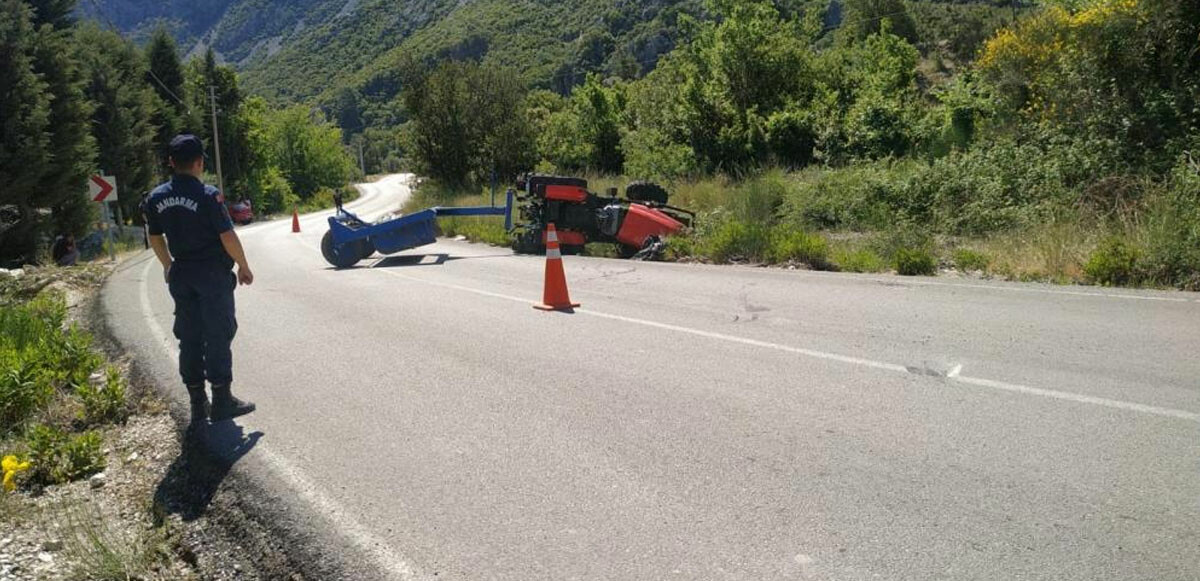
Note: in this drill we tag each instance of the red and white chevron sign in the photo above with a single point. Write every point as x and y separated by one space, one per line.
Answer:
103 188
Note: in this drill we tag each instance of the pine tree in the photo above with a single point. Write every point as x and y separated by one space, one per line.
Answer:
45 150
165 75
122 120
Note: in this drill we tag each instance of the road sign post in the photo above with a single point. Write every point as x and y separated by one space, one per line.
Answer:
102 189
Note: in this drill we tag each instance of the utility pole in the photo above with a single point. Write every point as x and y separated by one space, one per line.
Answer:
361 163
212 93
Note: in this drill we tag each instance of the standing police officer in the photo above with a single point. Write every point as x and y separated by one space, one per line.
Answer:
197 256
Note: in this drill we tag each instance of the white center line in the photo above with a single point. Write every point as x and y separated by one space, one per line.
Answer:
858 361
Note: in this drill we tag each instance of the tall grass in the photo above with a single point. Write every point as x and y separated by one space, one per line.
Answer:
98 550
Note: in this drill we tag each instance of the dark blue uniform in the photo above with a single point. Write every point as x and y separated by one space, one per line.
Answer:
193 216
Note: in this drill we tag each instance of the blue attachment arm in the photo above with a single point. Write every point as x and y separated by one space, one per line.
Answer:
505 211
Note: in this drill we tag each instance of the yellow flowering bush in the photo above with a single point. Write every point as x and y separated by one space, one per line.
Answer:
1056 63
12 466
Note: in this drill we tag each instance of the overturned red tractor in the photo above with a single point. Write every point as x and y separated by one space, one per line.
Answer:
638 224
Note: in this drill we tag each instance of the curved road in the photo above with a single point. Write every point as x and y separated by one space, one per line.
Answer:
695 422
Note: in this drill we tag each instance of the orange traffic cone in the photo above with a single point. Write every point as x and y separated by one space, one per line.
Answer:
555 296
295 220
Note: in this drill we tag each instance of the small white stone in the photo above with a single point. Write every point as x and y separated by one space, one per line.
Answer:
132 457
97 481
45 557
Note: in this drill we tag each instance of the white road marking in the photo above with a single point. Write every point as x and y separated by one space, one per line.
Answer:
912 281
953 376
371 545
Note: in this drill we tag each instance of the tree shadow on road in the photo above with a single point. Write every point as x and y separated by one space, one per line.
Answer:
192 480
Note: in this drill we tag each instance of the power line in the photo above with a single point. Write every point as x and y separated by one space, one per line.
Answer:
116 29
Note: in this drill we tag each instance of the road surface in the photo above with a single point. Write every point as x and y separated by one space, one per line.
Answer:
697 422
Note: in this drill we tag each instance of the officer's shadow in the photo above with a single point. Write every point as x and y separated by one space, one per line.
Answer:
207 455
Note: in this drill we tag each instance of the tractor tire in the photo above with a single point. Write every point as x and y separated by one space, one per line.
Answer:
366 249
647 192
340 258
529 242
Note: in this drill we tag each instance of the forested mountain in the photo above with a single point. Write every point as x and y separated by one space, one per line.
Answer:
298 49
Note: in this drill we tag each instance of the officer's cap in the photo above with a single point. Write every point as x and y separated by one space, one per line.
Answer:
186 148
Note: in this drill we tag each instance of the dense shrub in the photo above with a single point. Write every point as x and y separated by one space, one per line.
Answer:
58 457
735 240
1172 230
1113 263
915 262
104 401
968 260
21 394
788 245
859 197
38 357
858 260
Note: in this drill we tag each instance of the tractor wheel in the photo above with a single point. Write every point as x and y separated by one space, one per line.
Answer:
366 249
344 257
647 192
529 242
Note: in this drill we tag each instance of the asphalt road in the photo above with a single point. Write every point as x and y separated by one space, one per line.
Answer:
696 422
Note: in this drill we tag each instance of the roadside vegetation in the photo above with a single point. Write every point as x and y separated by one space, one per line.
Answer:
61 405
94 485
84 99
54 393
910 137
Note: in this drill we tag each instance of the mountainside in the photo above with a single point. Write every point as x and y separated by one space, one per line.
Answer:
300 49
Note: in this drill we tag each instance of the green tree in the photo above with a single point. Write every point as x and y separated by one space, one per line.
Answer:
717 94
468 120
45 149
599 110
123 113
205 78
347 111
866 17
307 149
165 75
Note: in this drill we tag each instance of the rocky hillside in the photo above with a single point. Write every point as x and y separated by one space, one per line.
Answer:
299 49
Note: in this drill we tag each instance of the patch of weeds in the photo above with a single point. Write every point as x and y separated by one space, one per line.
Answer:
104 402
59 458
680 247
21 394
98 550
486 230
38 358
915 262
795 245
1114 263
968 260
738 241
858 260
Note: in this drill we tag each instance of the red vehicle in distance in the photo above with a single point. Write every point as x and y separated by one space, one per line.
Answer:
241 212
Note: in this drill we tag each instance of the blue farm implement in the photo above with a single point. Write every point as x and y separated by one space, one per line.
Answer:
350 239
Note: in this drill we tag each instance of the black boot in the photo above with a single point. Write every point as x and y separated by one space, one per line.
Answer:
199 404
227 407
